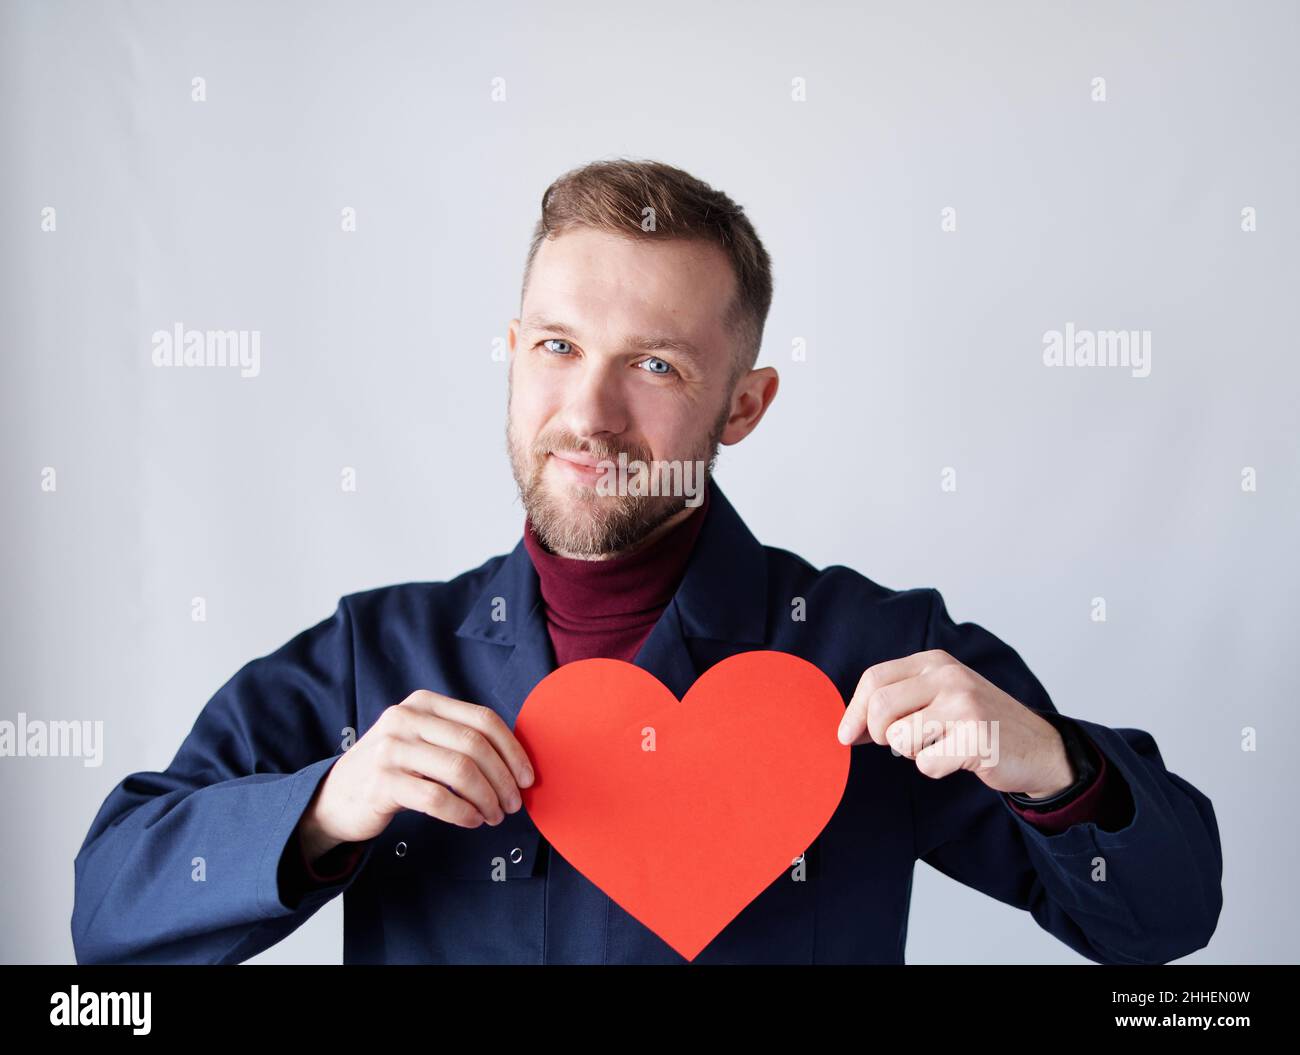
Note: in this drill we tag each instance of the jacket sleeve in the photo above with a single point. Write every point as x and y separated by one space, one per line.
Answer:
199 863
1147 892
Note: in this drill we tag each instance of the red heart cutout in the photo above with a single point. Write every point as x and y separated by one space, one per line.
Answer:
684 812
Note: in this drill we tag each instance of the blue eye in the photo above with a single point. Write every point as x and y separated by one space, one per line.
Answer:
655 366
667 368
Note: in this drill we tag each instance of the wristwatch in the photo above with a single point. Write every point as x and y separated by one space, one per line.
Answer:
1084 761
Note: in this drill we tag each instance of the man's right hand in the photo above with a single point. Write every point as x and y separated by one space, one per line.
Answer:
455 761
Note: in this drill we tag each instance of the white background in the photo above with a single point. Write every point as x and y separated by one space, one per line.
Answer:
924 350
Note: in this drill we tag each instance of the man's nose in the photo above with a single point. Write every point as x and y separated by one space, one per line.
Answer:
596 404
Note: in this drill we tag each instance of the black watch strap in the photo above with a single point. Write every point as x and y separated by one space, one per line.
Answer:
1084 761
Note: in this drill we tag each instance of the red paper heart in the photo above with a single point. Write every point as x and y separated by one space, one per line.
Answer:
743 776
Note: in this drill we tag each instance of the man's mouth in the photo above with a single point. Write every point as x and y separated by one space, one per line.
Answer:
580 466
579 459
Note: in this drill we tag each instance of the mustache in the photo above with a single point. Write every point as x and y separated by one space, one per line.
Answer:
599 451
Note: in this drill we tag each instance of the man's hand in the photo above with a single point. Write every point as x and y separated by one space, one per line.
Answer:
455 761
940 713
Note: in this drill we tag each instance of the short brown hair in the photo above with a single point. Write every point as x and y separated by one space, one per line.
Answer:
613 196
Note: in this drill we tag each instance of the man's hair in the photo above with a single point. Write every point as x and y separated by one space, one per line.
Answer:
615 195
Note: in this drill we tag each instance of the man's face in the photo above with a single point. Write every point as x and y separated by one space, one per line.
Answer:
620 348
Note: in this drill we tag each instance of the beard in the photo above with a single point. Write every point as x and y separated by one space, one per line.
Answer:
574 517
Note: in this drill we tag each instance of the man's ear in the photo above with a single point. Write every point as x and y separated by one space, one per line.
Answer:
512 337
750 399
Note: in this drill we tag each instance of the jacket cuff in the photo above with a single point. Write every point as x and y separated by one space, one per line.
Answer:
332 866
1087 807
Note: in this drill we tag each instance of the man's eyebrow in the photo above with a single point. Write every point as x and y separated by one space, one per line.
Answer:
536 322
659 342
654 342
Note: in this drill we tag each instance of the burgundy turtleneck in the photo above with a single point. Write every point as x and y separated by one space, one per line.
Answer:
607 608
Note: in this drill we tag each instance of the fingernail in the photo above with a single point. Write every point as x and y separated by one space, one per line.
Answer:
512 802
527 777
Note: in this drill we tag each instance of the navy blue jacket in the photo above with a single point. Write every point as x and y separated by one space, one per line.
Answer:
425 892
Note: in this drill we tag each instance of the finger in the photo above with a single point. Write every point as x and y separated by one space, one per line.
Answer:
941 757
469 741
458 771
877 677
868 716
892 670
426 796
489 723
909 734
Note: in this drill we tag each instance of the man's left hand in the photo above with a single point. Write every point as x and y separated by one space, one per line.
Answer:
944 716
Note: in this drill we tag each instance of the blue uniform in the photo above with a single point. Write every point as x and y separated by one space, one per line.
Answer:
428 892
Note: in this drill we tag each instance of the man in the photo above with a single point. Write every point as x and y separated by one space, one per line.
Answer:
643 306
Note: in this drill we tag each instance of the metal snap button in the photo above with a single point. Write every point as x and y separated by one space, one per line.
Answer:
516 855
401 850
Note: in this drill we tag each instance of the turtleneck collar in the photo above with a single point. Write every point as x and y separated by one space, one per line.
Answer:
607 607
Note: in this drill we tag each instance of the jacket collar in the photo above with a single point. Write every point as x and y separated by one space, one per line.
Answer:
722 597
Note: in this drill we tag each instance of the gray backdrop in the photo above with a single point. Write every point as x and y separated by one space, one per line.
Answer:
903 349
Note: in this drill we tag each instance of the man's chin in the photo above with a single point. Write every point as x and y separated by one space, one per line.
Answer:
582 521
581 515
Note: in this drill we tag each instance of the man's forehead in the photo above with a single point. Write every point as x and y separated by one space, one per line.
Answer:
641 278
662 299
